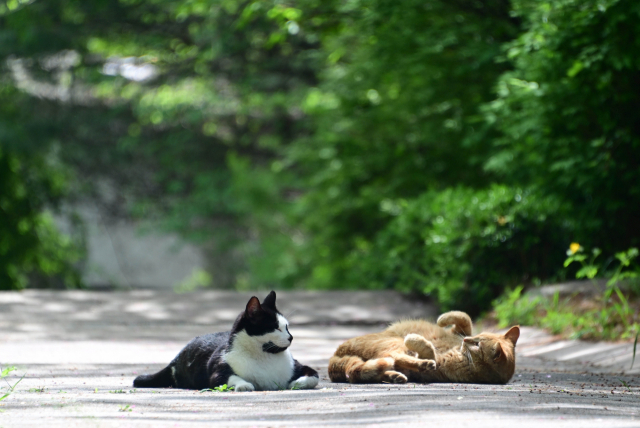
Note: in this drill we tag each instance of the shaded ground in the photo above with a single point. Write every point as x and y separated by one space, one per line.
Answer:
81 351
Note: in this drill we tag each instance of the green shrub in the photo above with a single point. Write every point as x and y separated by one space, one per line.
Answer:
32 250
464 246
609 316
514 309
568 113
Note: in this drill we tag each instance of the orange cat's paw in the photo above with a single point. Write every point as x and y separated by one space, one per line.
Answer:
423 347
427 365
395 377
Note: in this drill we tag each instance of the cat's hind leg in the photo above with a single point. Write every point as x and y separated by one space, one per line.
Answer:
461 322
304 377
424 348
354 369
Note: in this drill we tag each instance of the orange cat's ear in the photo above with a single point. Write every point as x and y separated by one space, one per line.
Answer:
499 353
513 334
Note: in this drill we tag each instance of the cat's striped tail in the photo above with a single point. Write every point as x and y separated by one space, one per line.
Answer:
354 369
162 379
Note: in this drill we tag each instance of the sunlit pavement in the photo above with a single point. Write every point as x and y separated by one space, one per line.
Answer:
79 352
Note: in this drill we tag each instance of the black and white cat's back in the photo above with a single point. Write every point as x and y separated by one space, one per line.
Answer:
254 355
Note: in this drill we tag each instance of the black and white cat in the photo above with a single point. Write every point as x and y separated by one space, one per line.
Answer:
254 355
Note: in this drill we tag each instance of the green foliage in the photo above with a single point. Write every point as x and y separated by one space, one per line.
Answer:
3 374
464 246
221 388
397 115
31 248
626 385
569 113
397 132
611 316
443 147
228 79
512 308
615 318
198 278
589 269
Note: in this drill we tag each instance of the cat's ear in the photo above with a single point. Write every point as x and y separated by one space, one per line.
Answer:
253 307
270 301
513 334
499 353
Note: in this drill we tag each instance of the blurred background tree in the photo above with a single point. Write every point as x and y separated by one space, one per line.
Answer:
446 148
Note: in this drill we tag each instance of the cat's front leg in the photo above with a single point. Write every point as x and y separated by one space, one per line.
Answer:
404 362
239 384
423 347
221 373
304 377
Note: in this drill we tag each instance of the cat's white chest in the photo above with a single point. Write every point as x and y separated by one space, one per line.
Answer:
265 372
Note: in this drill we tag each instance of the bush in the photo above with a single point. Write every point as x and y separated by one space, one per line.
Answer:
513 309
31 248
609 316
464 246
569 113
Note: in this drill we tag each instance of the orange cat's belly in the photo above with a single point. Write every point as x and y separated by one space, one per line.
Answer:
370 346
441 338
390 341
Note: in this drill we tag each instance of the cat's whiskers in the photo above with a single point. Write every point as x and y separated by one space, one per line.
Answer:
293 311
467 353
270 346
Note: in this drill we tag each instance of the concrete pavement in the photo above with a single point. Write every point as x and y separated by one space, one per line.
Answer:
81 350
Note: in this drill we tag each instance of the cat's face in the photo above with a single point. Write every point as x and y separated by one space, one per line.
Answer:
265 325
494 353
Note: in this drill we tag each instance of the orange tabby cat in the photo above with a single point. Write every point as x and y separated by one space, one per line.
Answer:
420 351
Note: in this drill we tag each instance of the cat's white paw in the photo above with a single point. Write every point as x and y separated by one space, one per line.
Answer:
304 382
244 387
240 385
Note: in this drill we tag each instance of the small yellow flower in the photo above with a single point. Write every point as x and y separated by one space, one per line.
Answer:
502 220
574 247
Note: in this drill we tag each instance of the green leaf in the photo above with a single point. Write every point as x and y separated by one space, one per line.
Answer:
575 69
589 271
